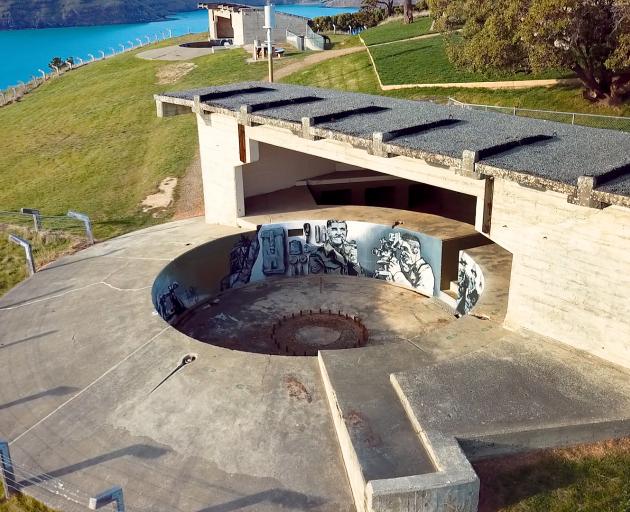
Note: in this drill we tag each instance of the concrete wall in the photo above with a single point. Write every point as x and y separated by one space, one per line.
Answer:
193 277
254 19
340 247
278 168
570 270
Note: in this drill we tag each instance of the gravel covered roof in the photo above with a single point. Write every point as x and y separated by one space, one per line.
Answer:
554 151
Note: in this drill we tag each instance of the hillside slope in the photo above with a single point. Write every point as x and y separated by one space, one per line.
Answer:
16 14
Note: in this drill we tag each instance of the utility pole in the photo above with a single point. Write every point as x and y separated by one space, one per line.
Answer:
270 22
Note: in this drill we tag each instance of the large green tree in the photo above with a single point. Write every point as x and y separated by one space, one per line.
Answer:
589 37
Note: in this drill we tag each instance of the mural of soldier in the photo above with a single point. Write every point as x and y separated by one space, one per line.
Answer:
400 261
337 255
242 258
469 284
169 304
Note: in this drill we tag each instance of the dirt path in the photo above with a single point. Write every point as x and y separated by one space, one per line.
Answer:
314 59
189 202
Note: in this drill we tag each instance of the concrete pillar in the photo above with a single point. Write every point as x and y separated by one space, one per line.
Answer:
222 168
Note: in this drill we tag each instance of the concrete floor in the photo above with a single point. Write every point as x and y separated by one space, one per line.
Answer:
83 348
242 318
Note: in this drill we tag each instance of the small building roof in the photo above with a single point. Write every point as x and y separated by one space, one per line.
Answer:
533 152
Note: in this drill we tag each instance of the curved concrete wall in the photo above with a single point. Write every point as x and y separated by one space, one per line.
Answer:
308 247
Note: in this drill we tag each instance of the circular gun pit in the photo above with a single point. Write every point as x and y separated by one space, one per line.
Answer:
264 317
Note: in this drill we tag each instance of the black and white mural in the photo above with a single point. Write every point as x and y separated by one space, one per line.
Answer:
338 247
175 300
470 283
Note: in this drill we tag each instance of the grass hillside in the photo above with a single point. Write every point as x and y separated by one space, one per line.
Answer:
396 31
424 61
90 141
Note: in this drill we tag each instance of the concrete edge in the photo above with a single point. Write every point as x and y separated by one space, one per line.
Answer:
510 442
350 459
455 486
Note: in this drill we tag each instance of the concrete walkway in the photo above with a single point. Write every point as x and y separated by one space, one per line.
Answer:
175 53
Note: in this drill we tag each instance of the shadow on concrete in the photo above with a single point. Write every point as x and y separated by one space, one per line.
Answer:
58 391
282 498
30 299
55 265
22 340
141 451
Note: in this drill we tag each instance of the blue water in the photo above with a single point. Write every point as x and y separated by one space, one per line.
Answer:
23 52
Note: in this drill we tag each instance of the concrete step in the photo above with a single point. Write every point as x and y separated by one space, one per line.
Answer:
448 298
377 439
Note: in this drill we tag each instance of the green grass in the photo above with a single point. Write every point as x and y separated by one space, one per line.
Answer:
352 72
341 41
396 31
21 503
91 141
588 478
424 61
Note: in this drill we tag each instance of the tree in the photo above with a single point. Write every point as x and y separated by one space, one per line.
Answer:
589 37
388 5
56 62
408 11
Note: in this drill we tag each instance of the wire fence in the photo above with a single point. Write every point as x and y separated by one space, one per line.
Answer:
16 92
576 118
46 224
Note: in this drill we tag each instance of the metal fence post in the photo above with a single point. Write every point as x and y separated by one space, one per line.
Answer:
113 495
573 118
7 475
86 221
37 222
30 262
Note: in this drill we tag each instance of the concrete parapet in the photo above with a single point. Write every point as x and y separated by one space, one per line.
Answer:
169 109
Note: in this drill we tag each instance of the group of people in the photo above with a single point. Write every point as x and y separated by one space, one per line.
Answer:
399 258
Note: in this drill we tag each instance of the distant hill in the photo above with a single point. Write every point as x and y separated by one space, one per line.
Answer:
16 14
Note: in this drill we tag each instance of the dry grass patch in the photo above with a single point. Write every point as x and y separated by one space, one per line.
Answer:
173 73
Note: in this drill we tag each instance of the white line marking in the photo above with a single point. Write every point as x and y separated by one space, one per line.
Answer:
89 385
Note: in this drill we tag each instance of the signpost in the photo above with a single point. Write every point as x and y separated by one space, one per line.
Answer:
270 22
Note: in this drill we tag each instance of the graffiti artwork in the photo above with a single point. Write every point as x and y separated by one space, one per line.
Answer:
469 284
169 304
242 258
336 247
399 260
337 255
273 242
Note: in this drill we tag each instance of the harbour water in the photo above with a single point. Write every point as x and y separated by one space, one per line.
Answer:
24 52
